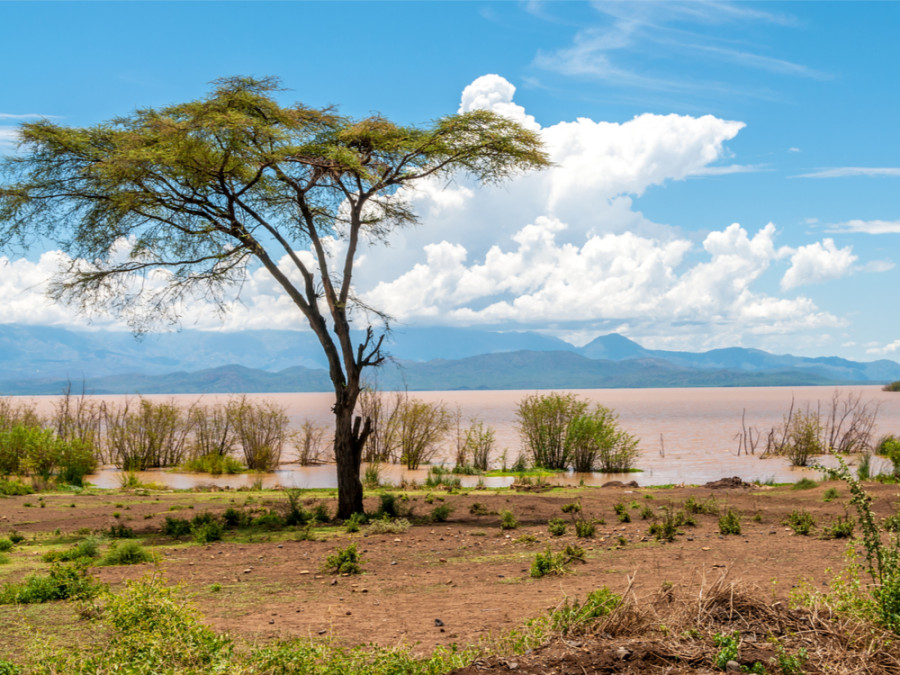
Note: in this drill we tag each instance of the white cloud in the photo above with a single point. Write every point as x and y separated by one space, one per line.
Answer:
818 262
845 171
495 93
867 226
884 350
9 137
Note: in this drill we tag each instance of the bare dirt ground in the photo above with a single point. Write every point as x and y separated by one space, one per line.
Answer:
438 583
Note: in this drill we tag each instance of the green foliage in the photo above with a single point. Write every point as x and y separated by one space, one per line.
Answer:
478 445
86 548
16 537
5 545
269 520
14 488
120 531
354 522
729 646
804 484
344 561
889 446
666 528
294 513
561 432
479 509
710 506
584 529
439 514
127 553
65 580
439 476
892 386
207 531
801 522
804 438
730 522
790 664
372 475
622 512
508 520
387 525
596 441
176 527
647 513
841 527
214 464
576 618
388 505
556 527
571 507
830 494
547 562
421 426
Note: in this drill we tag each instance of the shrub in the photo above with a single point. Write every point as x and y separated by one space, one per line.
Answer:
388 526
5 545
666 528
478 445
214 464
889 446
708 506
69 580
439 514
320 513
557 527
622 512
543 421
76 460
479 509
176 527
547 562
344 561
120 531
421 426
127 553
353 523
804 484
730 522
576 618
830 494
87 548
150 435
16 537
508 520
205 532
571 507
310 443
801 522
268 521
234 518
388 505
841 527
584 529
294 513
14 488
596 441
261 430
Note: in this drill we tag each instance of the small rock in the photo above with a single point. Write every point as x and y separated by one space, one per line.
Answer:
443 560
732 667
349 613
280 545
333 582
512 665
304 571
248 570
322 632
271 621
438 623
623 653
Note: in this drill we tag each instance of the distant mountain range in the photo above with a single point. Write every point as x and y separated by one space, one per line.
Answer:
39 360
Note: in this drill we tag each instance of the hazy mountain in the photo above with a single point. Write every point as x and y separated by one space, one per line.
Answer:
40 359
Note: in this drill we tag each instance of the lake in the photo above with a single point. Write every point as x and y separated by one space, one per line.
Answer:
686 435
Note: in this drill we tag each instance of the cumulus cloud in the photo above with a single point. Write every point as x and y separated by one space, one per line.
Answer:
818 262
562 250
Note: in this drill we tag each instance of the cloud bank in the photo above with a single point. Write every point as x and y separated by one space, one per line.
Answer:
563 250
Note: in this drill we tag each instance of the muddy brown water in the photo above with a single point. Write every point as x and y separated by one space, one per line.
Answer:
686 435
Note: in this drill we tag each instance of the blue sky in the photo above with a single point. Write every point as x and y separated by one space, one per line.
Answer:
680 132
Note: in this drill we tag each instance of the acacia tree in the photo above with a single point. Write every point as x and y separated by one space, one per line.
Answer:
167 205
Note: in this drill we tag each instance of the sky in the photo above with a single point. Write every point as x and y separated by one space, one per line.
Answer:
724 174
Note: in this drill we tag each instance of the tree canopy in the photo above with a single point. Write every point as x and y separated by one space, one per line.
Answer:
163 206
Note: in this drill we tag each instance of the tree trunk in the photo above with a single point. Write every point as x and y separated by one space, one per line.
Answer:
348 444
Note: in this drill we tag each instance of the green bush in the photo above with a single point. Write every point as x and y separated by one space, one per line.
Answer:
126 553
730 522
543 421
294 513
235 518
622 512
176 527
439 514
268 521
207 531
214 464
841 527
571 507
595 441
387 506
801 522
508 520
584 529
576 618
14 488
344 561
5 545
556 527
69 580
547 562
86 548
120 531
